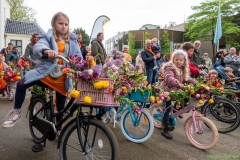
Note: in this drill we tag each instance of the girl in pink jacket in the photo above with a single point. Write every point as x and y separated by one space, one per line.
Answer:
176 73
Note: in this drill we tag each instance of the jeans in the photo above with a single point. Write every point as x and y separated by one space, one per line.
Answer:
21 93
155 63
151 75
157 75
166 114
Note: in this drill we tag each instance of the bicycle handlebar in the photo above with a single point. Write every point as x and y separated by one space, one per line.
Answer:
63 58
232 80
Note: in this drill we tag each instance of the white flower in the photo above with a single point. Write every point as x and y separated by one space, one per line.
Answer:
90 71
207 88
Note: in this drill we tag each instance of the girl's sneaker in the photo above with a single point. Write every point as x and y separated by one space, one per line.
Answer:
11 97
12 118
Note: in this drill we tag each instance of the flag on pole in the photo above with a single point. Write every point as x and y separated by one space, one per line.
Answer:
98 27
218 30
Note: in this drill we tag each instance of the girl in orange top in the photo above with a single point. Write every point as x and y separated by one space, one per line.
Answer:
47 48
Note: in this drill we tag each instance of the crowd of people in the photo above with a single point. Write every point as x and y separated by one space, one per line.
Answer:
186 62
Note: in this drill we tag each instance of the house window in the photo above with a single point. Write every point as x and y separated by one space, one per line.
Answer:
17 43
138 45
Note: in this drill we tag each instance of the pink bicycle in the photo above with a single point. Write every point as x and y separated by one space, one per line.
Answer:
200 131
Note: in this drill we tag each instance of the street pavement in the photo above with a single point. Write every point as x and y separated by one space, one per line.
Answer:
16 143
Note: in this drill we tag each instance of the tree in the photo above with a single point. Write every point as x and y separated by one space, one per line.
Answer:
165 43
85 36
147 35
201 25
131 42
21 12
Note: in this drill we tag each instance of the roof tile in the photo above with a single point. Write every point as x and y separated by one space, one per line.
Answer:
22 27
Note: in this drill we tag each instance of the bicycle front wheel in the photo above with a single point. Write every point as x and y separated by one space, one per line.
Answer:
141 130
37 110
223 113
101 142
206 136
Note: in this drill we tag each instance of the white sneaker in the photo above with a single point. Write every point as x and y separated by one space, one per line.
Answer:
12 118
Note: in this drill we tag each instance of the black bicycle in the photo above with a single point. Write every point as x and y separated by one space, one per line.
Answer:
82 137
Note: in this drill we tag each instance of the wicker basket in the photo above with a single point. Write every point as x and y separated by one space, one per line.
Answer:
101 97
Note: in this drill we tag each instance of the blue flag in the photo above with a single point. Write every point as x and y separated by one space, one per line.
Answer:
218 30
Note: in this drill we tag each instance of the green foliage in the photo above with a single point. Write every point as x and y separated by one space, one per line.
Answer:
21 12
201 25
131 49
85 36
165 43
147 35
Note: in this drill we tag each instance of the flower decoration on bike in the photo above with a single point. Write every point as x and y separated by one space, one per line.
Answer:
11 76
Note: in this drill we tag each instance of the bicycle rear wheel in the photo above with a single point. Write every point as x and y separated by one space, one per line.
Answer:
141 130
101 142
207 135
223 113
154 111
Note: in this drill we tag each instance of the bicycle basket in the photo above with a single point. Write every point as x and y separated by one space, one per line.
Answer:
139 96
101 98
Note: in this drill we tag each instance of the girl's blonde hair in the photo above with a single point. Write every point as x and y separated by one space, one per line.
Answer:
185 65
228 69
154 39
212 71
67 35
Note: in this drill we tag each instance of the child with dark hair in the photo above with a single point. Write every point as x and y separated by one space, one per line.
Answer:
189 48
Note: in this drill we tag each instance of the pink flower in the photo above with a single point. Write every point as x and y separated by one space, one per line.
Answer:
166 94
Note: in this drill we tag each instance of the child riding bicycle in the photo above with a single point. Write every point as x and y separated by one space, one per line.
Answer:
176 73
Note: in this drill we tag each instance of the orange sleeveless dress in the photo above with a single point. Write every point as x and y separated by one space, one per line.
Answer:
58 84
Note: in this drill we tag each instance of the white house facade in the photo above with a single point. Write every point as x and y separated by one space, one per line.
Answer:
5 6
19 32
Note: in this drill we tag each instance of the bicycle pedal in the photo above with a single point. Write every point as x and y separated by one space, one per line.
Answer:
37 147
171 129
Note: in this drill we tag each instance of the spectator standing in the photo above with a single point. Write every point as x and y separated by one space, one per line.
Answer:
208 61
13 56
197 57
176 47
97 48
140 62
148 57
233 61
81 45
6 50
28 55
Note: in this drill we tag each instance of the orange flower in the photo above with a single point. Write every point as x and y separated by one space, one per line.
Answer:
66 70
90 58
145 83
